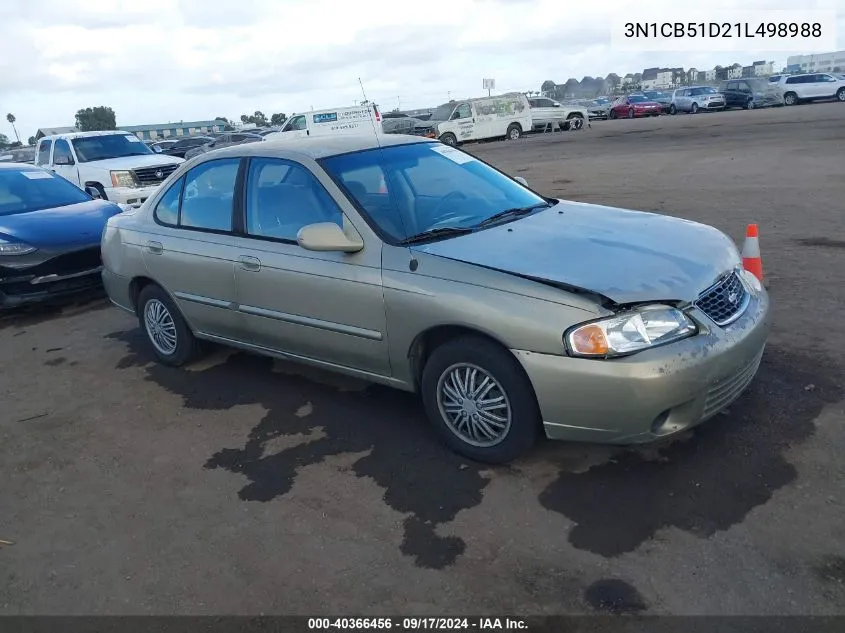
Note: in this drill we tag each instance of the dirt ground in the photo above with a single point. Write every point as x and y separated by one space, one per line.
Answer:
241 485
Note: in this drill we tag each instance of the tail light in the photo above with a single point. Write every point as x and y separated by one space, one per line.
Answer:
378 114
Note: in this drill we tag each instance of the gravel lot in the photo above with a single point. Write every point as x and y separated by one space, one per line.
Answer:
243 485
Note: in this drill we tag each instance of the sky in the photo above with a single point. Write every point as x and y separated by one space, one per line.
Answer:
157 61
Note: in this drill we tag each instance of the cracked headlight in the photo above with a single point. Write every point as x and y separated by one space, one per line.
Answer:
630 332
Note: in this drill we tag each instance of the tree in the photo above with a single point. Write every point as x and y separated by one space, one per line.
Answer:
221 118
11 119
95 119
279 118
4 141
31 140
257 118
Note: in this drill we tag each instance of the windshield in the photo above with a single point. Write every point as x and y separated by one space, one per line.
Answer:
89 148
35 189
406 190
656 95
442 113
636 99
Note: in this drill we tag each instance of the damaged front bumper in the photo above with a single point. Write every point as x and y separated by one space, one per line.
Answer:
43 276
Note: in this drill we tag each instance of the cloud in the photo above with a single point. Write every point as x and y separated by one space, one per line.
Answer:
161 60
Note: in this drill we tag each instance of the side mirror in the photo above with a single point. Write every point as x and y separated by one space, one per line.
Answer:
157 149
63 160
521 181
94 193
328 236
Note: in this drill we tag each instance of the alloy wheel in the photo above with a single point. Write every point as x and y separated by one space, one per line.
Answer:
474 405
160 327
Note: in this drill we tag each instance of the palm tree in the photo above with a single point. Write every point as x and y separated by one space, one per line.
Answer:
11 119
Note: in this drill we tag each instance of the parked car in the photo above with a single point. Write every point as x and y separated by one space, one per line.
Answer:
159 146
548 111
412 264
811 87
18 155
632 106
180 147
113 165
599 108
696 99
224 140
662 98
501 116
49 235
750 93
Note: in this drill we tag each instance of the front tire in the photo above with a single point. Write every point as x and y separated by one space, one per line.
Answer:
480 400
750 104
514 131
840 94
612 114
449 139
171 339
631 113
694 109
673 110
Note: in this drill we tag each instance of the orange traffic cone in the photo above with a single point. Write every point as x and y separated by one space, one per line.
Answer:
751 260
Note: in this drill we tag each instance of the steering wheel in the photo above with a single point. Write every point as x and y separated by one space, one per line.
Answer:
449 197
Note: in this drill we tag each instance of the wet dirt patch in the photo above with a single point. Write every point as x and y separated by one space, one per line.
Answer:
419 475
31 315
615 597
820 241
55 362
732 464
832 570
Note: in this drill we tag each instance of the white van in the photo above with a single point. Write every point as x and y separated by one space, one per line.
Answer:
507 115
363 119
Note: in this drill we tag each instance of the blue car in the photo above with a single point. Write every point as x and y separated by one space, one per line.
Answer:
49 235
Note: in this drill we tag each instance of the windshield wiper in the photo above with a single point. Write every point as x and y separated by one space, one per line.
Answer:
444 231
515 212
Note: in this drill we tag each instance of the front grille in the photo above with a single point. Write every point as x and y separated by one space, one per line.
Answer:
65 264
726 390
724 301
153 175
24 289
423 131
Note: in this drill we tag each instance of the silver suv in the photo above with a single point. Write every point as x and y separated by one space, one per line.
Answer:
696 98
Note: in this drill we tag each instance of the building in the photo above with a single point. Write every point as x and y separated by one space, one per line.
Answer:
655 78
174 130
763 69
735 72
820 63
49 131
709 75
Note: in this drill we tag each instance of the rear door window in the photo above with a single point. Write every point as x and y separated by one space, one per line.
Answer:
209 192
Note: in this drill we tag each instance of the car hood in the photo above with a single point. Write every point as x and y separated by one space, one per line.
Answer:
133 162
74 224
626 256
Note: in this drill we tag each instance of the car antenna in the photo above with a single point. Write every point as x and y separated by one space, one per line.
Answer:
371 113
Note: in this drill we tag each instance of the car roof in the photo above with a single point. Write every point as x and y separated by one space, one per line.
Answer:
317 147
73 135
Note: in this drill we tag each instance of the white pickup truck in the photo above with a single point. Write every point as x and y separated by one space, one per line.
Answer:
111 165
546 111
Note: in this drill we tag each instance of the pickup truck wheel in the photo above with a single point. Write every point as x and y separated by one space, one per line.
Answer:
449 139
99 189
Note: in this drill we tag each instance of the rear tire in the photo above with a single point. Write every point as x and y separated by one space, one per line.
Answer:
840 94
790 99
449 139
612 114
166 330
631 113
514 131
750 104
673 110
494 416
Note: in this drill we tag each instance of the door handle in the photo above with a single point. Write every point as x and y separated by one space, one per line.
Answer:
155 247
251 264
